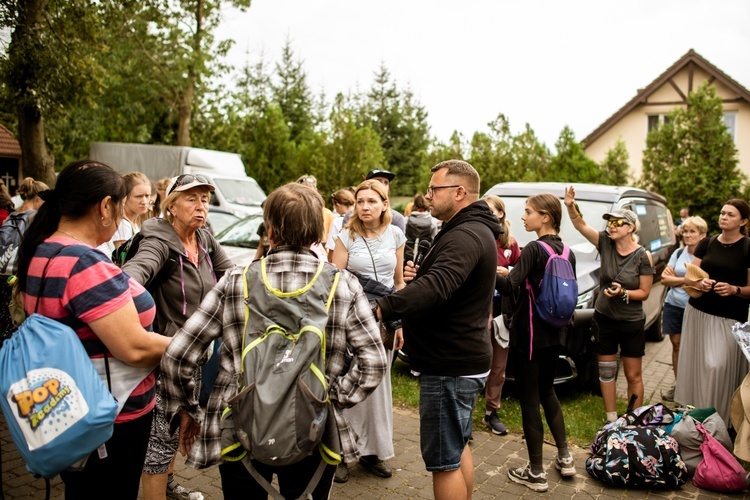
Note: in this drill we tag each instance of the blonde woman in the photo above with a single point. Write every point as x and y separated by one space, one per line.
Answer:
693 230
625 280
373 249
137 204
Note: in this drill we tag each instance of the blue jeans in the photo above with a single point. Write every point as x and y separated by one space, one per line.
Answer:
445 407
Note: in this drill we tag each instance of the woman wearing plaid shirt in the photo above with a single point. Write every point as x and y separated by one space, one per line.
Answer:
355 357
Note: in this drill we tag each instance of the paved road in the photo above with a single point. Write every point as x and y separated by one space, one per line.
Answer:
493 457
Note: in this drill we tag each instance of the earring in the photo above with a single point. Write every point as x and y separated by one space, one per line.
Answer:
106 225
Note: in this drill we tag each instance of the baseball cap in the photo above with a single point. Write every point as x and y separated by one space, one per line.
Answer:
380 173
622 213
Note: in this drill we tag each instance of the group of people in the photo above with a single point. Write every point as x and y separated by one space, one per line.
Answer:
459 307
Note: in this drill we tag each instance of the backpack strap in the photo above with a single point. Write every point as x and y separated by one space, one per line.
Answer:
532 297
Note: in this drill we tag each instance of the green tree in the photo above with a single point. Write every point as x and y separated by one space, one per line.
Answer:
614 168
401 124
691 159
490 152
571 164
530 158
49 65
173 44
292 94
350 149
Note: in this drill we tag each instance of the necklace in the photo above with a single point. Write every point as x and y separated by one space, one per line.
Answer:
73 236
727 245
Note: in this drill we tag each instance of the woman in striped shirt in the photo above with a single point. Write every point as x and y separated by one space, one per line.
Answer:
110 312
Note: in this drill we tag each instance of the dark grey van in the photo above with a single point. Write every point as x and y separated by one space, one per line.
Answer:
594 200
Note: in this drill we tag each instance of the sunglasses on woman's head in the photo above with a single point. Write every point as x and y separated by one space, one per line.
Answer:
185 179
617 223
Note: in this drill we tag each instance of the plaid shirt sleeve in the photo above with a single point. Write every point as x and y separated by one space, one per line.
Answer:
357 360
220 314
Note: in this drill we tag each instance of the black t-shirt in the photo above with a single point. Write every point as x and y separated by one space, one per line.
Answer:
728 264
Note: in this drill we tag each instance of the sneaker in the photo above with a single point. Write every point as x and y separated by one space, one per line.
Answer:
178 492
376 466
342 473
566 466
523 476
669 395
495 424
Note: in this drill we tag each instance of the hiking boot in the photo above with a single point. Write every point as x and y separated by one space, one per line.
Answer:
669 395
495 424
523 476
178 492
376 466
342 473
566 466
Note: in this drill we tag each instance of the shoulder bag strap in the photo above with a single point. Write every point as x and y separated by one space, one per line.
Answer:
637 252
371 258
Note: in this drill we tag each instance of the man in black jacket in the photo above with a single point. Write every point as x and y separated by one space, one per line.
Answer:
445 312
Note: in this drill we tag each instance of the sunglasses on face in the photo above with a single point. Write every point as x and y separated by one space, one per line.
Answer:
617 223
185 179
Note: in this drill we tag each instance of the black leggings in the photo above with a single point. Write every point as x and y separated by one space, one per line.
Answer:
119 474
534 380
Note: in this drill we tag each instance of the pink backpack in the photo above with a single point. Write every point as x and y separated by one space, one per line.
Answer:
719 470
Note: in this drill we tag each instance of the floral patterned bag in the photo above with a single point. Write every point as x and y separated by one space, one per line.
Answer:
637 457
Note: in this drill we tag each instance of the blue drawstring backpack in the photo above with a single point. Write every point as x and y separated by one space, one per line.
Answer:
56 406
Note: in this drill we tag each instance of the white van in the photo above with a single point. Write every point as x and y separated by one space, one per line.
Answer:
236 192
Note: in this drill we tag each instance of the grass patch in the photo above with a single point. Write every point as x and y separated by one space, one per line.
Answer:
584 413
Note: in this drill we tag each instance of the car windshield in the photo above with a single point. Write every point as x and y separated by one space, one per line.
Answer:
243 233
591 210
241 192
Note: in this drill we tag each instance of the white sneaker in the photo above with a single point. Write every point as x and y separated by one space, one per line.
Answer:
524 476
566 466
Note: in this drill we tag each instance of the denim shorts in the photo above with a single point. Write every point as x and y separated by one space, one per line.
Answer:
672 319
445 407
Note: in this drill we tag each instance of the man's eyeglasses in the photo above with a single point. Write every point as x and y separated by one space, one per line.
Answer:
185 179
617 223
431 190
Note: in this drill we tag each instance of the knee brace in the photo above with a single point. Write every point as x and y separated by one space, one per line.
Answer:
607 371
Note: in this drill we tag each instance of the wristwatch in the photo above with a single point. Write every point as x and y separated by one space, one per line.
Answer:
739 290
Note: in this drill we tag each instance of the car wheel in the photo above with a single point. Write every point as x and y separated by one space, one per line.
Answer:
654 332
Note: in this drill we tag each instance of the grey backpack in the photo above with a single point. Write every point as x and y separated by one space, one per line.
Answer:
11 234
281 411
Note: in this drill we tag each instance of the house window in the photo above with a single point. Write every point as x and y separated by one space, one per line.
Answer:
655 121
730 120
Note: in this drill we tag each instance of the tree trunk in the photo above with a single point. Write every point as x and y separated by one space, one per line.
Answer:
36 161
185 109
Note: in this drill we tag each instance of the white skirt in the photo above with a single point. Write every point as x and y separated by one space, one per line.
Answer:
372 419
711 363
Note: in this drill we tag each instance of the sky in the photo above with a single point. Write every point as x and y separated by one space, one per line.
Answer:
543 62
